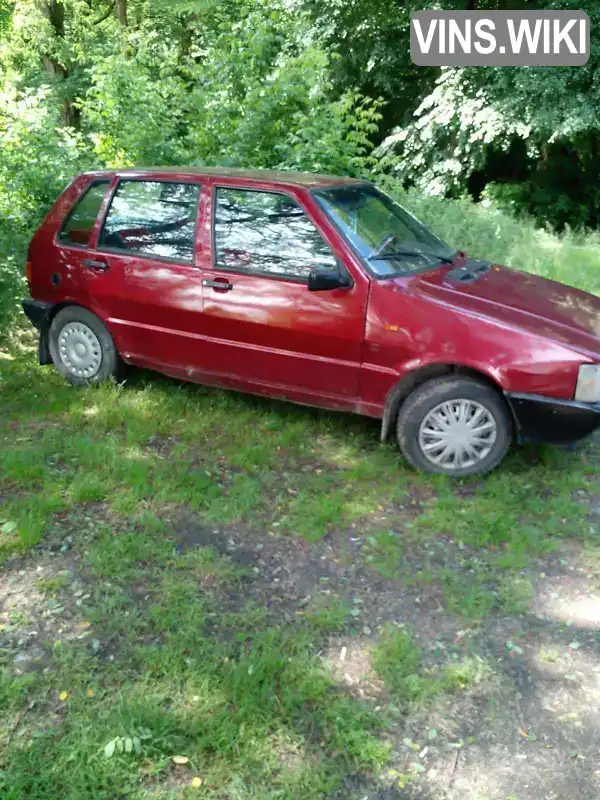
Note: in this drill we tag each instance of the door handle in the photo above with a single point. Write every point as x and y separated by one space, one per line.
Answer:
100 265
224 285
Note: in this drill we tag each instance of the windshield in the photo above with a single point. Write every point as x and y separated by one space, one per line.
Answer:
390 239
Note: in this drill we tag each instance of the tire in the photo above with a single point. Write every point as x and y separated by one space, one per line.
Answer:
82 349
454 426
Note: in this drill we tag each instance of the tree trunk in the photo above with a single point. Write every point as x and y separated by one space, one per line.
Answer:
126 47
122 12
54 11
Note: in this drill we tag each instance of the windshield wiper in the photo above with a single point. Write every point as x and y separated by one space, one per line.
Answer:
406 251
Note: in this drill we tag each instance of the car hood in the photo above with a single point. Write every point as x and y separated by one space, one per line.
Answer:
519 299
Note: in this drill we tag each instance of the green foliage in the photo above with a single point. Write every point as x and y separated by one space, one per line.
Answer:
230 83
6 12
535 129
37 160
259 95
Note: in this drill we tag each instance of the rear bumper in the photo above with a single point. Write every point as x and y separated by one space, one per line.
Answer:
548 419
36 311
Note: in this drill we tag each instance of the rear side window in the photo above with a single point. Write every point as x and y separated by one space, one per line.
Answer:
153 218
78 226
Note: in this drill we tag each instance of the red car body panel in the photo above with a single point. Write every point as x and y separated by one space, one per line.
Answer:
346 348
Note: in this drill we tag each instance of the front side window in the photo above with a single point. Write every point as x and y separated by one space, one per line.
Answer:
78 227
153 218
391 240
267 233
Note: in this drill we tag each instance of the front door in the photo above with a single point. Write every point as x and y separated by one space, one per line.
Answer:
265 331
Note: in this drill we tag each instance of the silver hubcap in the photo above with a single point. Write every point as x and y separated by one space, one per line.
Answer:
457 434
79 350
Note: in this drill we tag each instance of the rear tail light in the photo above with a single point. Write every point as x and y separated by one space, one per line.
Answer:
28 271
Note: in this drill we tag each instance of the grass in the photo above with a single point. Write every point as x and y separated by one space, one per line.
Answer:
155 645
153 444
166 678
398 661
328 614
149 444
171 663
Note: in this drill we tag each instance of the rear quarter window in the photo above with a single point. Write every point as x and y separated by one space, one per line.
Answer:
78 225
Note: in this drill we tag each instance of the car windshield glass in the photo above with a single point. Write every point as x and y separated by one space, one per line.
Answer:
390 239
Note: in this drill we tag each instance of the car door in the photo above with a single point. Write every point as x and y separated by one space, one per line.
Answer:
144 281
74 241
264 329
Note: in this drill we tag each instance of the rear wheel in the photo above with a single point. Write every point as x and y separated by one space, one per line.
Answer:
81 347
454 426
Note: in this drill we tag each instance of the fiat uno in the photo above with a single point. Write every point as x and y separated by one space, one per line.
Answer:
319 290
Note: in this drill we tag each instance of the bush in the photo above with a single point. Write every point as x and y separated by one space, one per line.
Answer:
37 159
12 285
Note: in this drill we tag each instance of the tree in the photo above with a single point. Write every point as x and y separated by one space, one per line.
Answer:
527 137
259 95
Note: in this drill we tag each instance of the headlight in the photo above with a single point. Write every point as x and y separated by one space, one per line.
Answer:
588 384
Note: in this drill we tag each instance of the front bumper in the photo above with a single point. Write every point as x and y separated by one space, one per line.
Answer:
548 419
38 314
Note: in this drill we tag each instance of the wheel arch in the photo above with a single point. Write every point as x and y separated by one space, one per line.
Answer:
417 377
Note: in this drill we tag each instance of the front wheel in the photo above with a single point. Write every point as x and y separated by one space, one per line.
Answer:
454 426
81 347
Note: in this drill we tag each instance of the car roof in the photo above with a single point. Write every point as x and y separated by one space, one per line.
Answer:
283 177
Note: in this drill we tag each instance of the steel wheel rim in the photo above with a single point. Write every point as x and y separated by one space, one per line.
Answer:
457 434
79 350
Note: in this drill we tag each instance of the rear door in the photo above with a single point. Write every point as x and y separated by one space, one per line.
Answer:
74 245
144 281
265 330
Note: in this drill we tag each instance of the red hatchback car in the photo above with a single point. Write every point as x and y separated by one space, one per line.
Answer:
314 289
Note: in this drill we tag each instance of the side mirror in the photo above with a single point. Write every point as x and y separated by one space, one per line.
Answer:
324 281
